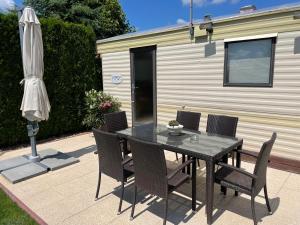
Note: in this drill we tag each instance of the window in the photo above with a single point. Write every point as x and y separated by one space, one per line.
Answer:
249 63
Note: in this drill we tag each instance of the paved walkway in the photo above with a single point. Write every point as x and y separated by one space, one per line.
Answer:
66 196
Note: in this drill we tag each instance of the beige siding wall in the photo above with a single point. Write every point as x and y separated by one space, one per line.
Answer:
185 76
118 63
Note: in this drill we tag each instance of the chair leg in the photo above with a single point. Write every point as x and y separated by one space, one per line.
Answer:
98 186
188 168
198 162
223 188
267 199
166 211
121 198
176 156
253 210
232 158
183 161
133 202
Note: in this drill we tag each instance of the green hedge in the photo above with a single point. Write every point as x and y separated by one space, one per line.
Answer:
70 70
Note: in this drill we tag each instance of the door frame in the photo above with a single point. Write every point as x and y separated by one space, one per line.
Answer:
132 79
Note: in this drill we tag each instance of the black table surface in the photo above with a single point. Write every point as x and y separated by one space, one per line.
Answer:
194 143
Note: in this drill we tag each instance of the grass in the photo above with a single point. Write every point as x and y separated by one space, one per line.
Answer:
11 213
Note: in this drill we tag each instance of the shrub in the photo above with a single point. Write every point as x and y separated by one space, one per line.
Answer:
97 104
70 71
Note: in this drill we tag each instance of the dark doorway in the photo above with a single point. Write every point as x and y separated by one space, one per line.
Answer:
143 84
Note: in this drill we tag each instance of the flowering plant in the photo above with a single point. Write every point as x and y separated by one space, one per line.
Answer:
97 104
104 106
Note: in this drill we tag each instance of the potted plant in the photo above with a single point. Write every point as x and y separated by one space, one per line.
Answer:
97 104
174 127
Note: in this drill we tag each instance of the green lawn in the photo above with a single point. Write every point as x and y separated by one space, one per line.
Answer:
11 214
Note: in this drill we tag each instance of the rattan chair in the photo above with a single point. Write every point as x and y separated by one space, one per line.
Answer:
222 125
152 174
245 182
111 161
117 121
189 120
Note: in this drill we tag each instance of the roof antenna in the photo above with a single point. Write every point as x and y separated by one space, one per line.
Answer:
191 20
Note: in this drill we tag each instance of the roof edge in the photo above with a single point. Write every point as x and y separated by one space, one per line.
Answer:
276 9
144 33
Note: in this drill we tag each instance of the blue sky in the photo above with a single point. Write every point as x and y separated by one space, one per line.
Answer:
147 14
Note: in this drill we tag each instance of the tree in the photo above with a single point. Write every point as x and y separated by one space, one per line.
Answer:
106 17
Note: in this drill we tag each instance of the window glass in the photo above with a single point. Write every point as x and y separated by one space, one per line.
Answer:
249 62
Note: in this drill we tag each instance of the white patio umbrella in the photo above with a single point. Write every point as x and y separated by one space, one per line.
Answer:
35 104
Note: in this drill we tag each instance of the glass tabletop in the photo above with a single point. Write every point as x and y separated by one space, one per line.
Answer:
195 143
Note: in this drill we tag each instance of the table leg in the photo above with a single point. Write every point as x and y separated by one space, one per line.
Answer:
194 180
238 163
224 160
210 179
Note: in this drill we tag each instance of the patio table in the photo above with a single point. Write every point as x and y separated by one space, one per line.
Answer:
208 147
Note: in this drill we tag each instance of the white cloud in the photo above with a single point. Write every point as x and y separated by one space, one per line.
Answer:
6 4
216 2
196 2
181 21
209 2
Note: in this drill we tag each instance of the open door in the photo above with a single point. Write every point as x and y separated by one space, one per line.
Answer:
143 85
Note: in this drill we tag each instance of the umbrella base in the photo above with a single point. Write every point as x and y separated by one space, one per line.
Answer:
34 158
13 162
24 172
22 168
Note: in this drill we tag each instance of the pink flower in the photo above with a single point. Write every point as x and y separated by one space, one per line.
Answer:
105 105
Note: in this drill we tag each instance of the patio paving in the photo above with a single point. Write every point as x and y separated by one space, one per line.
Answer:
66 196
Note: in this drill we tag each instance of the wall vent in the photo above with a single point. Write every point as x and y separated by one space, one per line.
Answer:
247 9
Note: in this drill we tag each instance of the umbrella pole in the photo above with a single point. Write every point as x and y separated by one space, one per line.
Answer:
33 128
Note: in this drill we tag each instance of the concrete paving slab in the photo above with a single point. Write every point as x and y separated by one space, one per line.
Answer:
55 160
24 172
13 162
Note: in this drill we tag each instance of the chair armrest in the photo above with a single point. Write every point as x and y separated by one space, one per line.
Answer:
247 153
253 176
178 169
127 160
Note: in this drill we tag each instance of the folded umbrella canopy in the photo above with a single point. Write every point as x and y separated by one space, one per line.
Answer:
35 104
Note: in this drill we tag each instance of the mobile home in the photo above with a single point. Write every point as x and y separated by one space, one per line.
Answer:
245 65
